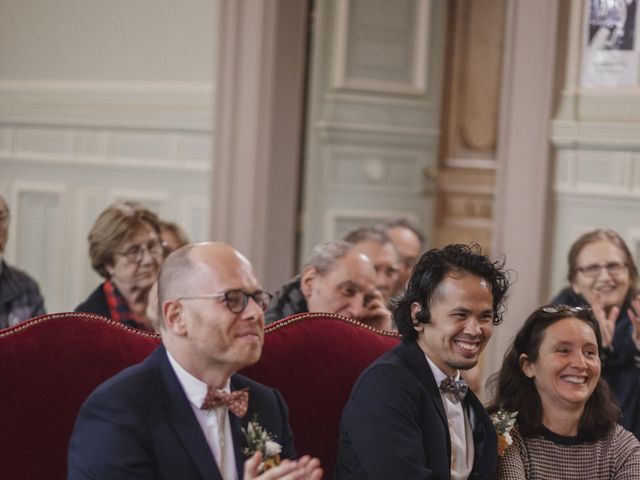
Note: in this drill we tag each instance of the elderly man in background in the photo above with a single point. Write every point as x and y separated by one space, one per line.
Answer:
376 244
337 278
184 412
409 242
20 297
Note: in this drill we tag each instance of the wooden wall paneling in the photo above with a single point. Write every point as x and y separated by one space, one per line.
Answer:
38 239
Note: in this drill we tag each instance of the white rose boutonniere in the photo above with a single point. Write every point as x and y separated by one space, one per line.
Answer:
259 440
503 421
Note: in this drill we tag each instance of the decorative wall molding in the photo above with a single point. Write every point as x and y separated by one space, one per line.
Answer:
339 221
182 106
601 135
93 143
598 173
362 168
137 148
374 113
37 232
388 131
368 99
384 33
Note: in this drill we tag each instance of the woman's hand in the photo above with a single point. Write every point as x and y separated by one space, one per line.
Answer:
607 322
305 468
634 316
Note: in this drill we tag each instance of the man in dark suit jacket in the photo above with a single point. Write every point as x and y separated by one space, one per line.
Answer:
409 415
183 412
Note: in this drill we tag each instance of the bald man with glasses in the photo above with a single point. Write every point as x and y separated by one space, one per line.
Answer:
181 413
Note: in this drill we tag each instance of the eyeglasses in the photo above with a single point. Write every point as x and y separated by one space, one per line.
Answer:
565 309
4 218
135 253
593 270
237 300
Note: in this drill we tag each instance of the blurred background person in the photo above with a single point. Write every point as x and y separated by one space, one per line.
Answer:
603 275
337 278
376 244
566 416
410 243
20 297
173 236
126 250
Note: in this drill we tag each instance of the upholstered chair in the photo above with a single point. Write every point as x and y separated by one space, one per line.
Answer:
50 364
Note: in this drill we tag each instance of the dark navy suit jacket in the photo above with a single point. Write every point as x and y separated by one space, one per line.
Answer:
394 425
140 424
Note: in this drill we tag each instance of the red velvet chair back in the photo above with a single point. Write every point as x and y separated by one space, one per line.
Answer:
314 359
50 364
48 367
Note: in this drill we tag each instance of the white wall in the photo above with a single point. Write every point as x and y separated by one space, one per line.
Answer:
101 101
115 40
596 135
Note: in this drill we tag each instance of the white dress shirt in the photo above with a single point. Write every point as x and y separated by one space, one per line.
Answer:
214 423
460 431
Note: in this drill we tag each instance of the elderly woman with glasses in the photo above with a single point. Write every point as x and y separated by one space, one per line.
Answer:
554 415
126 250
602 275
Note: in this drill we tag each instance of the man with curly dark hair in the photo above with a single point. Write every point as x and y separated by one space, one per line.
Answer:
410 415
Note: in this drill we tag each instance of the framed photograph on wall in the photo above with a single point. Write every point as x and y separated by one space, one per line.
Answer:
610 50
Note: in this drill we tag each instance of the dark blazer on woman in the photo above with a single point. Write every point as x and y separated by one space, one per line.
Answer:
95 303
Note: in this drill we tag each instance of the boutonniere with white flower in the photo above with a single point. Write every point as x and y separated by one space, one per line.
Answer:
503 421
259 440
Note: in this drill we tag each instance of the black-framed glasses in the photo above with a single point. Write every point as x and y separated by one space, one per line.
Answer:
135 253
565 309
612 268
237 300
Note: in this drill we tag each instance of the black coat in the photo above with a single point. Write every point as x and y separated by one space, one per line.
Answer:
394 425
140 424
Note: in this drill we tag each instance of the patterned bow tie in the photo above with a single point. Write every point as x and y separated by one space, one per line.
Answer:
237 402
456 388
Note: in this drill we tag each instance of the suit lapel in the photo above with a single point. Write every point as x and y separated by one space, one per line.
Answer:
181 418
484 439
415 358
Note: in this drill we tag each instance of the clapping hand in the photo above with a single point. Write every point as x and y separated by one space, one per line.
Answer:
607 322
634 316
305 468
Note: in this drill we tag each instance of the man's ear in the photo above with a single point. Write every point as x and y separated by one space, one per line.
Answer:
526 366
174 320
308 275
416 309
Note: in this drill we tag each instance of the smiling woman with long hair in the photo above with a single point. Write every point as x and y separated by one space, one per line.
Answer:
565 414
603 275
